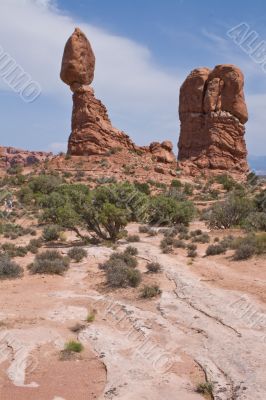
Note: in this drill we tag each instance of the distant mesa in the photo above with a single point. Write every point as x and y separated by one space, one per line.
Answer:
212 113
92 131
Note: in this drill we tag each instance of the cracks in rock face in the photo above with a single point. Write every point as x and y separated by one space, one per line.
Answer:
190 304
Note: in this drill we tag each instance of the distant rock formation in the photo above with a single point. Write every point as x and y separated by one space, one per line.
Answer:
213 112
92 131
10 156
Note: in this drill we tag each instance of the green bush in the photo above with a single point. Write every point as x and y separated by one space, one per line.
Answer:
148 292
8 268
231 212
176 183
73 346
77 253
49 262
143 187
154 267
167 211
51 233
226 181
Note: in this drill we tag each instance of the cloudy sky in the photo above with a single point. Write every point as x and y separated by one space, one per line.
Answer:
144 50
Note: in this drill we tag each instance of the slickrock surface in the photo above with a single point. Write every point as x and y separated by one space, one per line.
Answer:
213 112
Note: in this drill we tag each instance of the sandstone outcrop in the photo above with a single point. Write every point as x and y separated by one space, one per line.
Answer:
92 131
213 112
10 156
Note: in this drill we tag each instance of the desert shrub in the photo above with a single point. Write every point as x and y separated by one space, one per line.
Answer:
167 249
203 238
255 221
49 262
226 181
227 241
191 246
148 292
183 236
143 187
13 231
8 268
91 316
51 232
154 267
73 346
14 251
132 251
188 189
249 245
192 253
179 244
77 253
44 184
205 388
214 249
15 169
133 238
167 241
105 211
231 212
120 259
244 251
144 229
170 232
176 183
165 210
260 201
122 276
34 245
197 232
216 239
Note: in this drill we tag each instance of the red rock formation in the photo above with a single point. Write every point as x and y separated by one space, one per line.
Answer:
10 156
78 60
92 131
213 112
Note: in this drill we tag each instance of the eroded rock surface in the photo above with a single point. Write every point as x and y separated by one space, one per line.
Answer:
213 112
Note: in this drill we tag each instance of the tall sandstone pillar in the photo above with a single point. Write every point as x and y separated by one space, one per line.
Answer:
212 112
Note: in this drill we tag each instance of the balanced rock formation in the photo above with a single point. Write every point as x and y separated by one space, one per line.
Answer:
92 131
213 112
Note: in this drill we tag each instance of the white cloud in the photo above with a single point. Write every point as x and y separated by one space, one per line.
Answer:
141 97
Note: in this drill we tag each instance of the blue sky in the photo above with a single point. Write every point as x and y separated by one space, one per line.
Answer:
144 50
